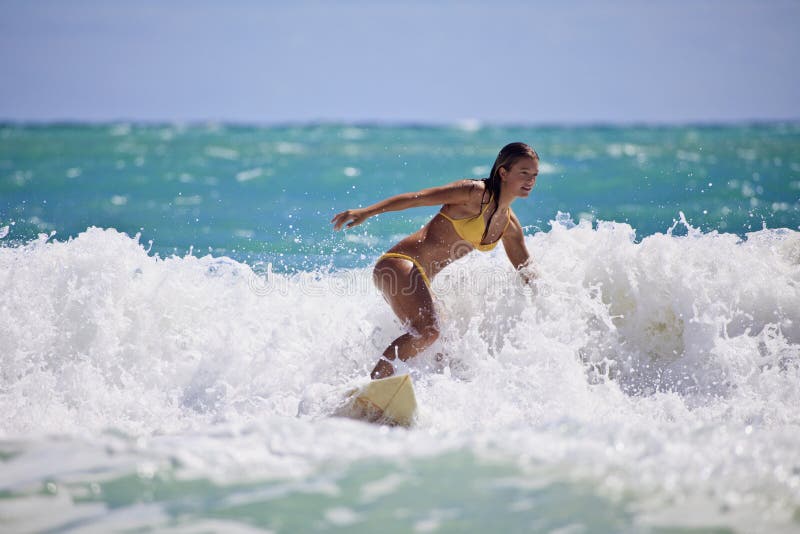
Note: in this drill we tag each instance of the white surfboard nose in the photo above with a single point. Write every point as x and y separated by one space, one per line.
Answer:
388 401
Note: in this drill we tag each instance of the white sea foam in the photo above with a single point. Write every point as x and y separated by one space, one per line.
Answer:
352 172
191 200
547 168
668 367
222 152
481 170
468 125
617 150
251 174
352 133
289 148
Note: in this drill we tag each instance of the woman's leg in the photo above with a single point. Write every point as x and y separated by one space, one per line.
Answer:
405 290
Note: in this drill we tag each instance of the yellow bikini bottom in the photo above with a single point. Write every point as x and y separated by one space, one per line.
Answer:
412 260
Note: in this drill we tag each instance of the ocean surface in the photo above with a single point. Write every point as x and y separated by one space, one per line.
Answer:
178 321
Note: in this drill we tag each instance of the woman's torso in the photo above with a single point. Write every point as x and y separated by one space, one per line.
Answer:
438 243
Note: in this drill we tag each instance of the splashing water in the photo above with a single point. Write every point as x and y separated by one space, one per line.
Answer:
649 378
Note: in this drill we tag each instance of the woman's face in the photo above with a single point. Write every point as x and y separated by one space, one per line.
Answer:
521 177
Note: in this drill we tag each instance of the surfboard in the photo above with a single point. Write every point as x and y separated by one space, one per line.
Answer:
386 401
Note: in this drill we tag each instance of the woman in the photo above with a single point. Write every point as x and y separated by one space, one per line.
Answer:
475 214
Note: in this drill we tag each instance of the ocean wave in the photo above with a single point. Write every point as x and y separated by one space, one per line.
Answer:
622 357
97 316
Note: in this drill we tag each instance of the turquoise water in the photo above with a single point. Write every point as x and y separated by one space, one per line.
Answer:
179 322
249 192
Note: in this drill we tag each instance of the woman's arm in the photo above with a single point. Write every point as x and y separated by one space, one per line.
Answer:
514 243
457 192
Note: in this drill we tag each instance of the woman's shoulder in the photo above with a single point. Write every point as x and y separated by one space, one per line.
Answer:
473 187
472 198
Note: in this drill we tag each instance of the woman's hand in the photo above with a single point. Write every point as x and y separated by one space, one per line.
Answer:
355 217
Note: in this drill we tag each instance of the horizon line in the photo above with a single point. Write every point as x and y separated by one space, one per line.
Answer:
460 124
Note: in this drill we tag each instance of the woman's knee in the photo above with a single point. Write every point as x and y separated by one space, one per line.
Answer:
427 332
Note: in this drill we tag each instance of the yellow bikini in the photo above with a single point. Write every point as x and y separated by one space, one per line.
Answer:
469 229
412 260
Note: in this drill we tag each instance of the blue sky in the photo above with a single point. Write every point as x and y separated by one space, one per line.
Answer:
506 62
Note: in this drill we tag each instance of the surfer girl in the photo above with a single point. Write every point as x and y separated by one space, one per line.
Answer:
475 215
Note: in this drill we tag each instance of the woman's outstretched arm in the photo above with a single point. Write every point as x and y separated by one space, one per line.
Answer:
457 192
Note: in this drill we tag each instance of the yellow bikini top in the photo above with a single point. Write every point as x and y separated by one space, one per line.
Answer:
471 229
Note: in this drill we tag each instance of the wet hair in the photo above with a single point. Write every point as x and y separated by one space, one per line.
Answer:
508 156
